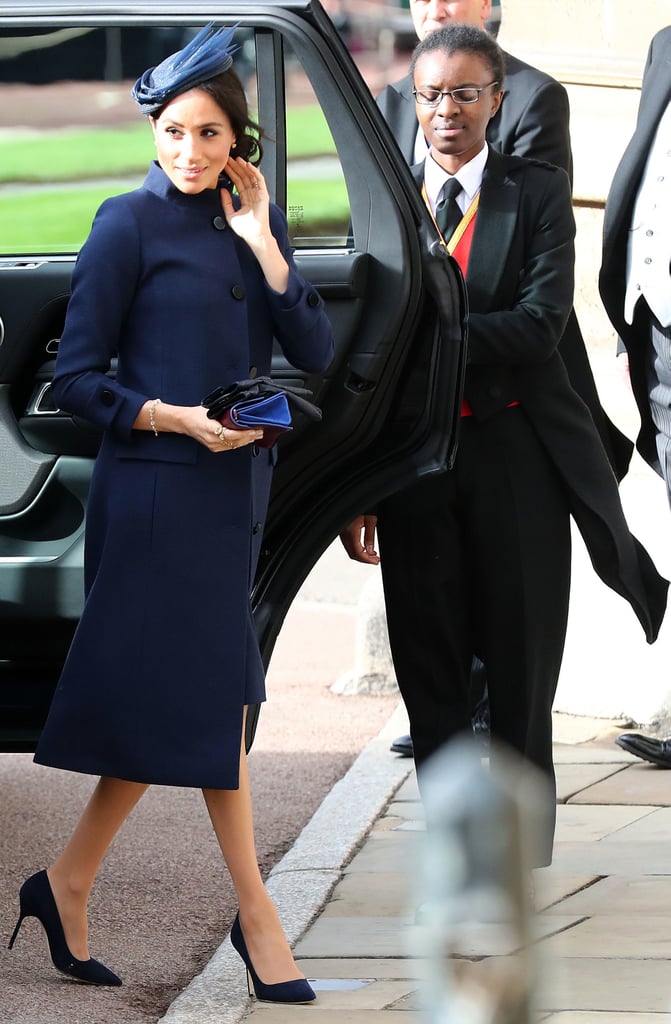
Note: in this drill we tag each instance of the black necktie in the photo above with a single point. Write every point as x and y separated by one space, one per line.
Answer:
448 214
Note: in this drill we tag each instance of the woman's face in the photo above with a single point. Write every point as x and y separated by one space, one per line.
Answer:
455 131
193 141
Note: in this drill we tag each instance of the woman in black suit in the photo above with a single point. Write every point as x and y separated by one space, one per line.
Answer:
189 284
477 561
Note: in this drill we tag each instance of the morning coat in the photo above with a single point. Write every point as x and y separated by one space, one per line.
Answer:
519 360
165 655
532 121
655 97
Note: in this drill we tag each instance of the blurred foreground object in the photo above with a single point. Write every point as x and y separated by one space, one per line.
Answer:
475 888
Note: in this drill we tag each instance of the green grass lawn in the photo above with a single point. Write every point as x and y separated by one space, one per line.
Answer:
76 155
58 220
50 221
91 153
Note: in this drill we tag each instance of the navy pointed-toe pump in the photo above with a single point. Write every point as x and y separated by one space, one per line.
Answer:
296 991
37 900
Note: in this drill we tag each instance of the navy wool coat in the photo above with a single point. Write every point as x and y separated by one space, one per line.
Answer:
165 656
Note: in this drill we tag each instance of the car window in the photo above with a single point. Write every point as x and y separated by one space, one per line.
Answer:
318 209
71 135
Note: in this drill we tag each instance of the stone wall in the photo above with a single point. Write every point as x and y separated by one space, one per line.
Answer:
596 41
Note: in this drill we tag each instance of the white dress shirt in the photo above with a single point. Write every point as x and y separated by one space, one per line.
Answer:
649 242
469 177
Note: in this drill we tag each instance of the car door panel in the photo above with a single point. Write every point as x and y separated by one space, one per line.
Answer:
390 399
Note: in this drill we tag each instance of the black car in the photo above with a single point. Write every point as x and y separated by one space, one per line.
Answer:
69 136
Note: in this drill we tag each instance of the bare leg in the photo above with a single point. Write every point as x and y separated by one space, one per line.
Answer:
71 876
230 811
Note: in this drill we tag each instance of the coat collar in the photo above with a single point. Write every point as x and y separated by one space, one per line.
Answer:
657 95
208 201
494 226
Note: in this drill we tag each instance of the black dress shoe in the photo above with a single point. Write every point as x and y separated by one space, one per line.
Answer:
650 749
402 745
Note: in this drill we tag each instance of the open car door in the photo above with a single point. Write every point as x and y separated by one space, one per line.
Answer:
390 399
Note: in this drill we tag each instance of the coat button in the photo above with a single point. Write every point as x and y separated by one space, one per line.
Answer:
219 223
253 370
237 291
313 299
256 451
257 527
107 397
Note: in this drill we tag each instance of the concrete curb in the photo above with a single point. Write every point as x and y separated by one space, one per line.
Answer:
301 883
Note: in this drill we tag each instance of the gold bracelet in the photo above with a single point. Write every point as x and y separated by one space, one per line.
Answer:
152 412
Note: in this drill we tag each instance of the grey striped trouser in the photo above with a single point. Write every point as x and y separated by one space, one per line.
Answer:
659 378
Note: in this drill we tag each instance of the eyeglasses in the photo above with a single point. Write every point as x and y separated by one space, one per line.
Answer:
432 97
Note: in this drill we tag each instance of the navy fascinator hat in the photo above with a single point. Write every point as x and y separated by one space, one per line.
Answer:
207 55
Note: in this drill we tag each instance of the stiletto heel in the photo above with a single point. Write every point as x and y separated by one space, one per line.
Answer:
37 900
296 991
16 930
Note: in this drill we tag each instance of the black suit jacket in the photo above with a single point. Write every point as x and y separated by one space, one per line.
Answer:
655 96
533 122
520 289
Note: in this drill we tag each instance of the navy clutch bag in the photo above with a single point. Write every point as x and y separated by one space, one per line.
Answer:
260 402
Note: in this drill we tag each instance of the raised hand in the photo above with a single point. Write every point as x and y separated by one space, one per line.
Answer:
251 221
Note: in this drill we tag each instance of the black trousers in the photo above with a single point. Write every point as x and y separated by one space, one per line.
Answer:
477 561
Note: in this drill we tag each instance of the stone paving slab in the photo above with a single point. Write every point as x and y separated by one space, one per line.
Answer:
602 945
410 826
656 824
580 1017
612 858
288 1015
554 888
331 934
383 894
573 778
409 790
571 753
614 936
617 896
360 967
371 995
410 810
385 851
592 984
580 823
640 784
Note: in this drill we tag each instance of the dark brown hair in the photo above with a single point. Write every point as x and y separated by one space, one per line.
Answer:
228 93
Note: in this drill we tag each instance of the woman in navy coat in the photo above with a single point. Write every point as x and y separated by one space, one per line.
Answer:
188 285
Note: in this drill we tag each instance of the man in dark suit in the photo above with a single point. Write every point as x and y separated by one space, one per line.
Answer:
532 121
635 285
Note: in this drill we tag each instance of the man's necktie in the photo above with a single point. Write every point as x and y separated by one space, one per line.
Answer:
448 214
